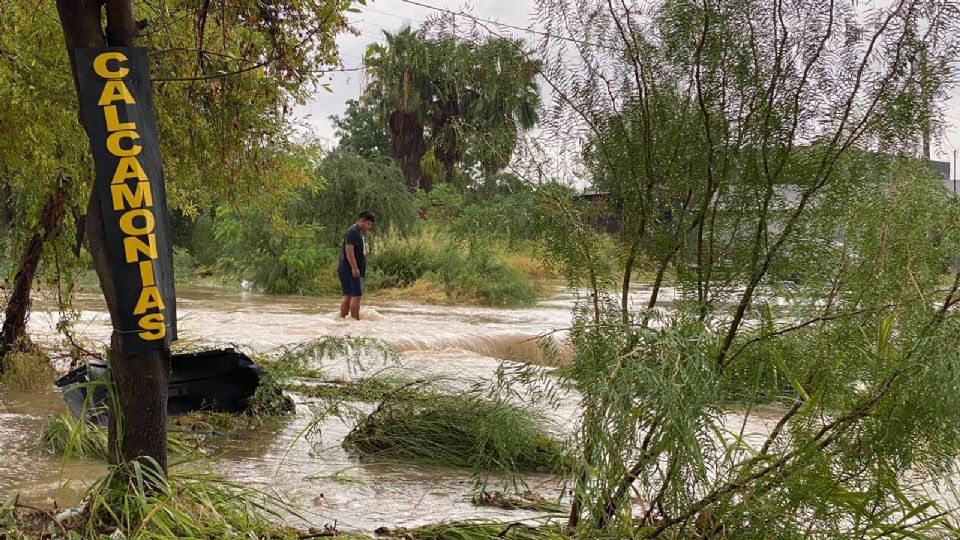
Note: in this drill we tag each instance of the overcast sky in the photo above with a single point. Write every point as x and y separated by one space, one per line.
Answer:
380 15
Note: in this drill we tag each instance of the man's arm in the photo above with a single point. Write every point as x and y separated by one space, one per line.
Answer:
352 259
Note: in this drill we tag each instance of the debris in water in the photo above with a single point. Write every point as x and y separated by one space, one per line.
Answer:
528 500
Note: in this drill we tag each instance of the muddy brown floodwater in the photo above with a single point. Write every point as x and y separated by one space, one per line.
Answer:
323 480
326 483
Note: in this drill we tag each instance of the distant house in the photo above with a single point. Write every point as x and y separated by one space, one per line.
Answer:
943 168
601 215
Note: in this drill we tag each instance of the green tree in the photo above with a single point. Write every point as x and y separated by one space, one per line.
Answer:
354 183
438 93
44 156
223 84
741 142
361 129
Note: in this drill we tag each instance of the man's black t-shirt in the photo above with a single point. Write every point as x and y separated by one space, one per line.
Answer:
354 237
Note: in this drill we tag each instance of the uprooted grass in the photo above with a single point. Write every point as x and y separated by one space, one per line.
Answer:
459 430
482 530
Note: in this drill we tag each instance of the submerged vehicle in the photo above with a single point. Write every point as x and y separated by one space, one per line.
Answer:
220 380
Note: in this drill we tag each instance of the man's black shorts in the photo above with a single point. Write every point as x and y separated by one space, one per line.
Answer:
349 285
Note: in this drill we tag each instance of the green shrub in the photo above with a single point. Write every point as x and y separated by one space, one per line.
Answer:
398 261
442 203
184 265
482 276
202 245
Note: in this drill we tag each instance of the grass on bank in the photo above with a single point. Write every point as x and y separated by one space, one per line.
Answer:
142 503
458 430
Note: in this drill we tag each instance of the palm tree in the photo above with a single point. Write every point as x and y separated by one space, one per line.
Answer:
483 93
401 86
504 100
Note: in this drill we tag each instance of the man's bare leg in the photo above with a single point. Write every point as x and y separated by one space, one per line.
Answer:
355 307
344 307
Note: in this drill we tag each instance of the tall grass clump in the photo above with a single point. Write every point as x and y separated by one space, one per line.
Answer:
458 430
399 261
65 434
137 499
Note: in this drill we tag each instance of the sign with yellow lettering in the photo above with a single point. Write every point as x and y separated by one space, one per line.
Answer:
117 110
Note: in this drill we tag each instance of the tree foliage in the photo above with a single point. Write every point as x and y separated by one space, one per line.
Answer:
360 129
447 94
267 53
758 155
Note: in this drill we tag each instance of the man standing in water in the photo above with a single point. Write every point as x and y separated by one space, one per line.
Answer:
353 265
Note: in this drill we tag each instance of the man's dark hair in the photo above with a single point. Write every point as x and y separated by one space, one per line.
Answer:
367 215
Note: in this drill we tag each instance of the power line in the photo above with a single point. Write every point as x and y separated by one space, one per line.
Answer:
505 25
404 17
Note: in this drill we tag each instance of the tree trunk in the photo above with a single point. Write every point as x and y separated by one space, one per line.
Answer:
140 380
407 148
9 212
447 146
9 215
15 316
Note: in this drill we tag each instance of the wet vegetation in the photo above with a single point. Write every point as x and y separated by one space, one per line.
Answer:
459 430
28 369
483 531
369 389
65 434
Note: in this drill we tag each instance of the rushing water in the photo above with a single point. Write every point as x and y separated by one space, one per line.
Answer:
327 483
314 472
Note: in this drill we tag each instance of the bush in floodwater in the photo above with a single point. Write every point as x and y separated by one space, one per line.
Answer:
398 261
27 370
459 431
